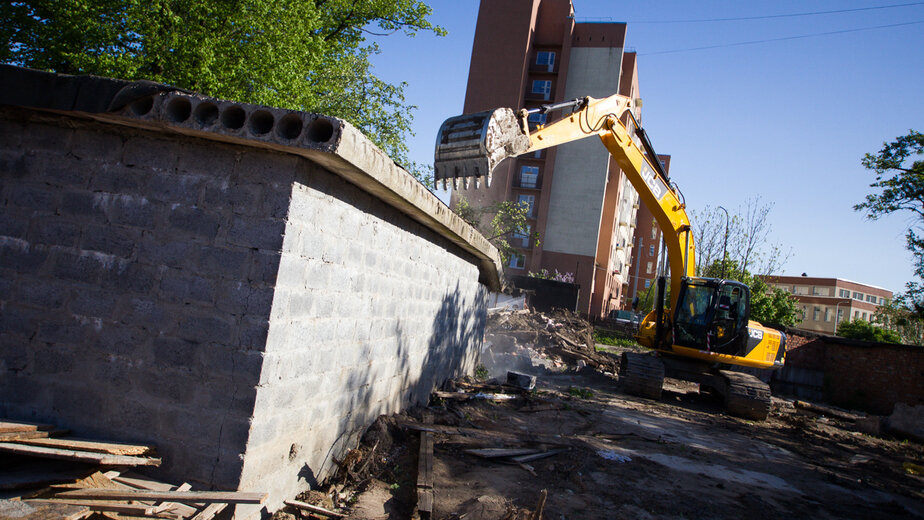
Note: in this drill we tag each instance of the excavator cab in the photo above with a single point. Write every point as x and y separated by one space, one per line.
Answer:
712 315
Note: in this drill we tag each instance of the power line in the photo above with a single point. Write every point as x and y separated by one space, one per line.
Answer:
754 42
771 16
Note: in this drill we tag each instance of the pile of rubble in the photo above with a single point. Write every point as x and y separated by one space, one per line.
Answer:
534 342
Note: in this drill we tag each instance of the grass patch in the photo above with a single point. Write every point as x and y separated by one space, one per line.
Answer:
583 393
614 339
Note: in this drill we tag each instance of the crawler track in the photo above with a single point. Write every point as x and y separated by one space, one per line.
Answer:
746 396
641 375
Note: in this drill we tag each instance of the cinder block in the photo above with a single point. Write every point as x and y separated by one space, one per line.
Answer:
174 253
104 147
207 329
87 268
42 294
13 225
206 159
110 240
145 152
202 224
48 139
127 276
263 234
175 189
33 197
79 204
179 287
116 179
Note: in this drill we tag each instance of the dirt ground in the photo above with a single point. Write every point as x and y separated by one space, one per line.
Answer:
618 456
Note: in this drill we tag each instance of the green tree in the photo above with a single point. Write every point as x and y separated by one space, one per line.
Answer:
900 188
296 54
896 316
500 223
866 331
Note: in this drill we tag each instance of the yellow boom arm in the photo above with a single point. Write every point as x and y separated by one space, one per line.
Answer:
602 117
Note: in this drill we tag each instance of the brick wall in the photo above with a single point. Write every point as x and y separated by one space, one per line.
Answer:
244 308
860 375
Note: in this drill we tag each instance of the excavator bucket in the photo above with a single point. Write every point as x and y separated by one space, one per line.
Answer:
471 146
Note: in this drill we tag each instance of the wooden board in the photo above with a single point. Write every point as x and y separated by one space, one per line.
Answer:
313 509
186 497
36 434
139 482
78 456
112 448
490 453
98 505
425 501
31 473
425 461
26 511
8 426
209 511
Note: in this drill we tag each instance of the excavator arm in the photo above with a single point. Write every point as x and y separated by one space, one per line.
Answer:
472 145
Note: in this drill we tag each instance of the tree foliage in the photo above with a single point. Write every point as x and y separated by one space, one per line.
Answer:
898 317
748 238
501 223
296 54
866 331
900 188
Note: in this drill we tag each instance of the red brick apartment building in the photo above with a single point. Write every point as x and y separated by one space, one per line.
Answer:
826 302
532 52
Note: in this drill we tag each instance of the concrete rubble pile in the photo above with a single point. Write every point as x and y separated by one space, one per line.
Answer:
535 342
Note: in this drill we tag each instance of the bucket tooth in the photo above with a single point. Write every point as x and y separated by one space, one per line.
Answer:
471 146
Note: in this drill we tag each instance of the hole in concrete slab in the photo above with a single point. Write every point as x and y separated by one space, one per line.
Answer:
261 122
206 114
178 110
320 130
290 127
142 106
233 118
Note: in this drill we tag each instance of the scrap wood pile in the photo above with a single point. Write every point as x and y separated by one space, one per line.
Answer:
44 474
561 337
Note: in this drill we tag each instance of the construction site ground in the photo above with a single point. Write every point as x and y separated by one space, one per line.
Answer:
619 456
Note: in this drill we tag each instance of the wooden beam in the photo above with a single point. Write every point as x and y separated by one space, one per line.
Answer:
112 448
98 505
8 426
21 510
79 456
186 497
34 434
210 511
313 509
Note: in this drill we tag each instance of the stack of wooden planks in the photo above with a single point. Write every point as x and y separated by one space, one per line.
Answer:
46 475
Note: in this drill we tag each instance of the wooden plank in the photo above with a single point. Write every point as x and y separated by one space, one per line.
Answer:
112 448
209 512
135 481
185 486
8 426
20 510
79 456
186 497
40 473
537 514
37 434
99 505
425 501
425 461
313 509
537 456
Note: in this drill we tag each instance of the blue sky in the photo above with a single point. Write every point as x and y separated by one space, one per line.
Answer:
788 120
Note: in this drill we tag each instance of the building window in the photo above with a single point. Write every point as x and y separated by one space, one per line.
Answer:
649 268
856 315
546 58
529 175
543 87
820 291
537 119
654 233
802 291
827 314
858 296
522 236
517 261
882 301
844 293
647 284
870 298
815 314
651 250
864 315
529 201
840 314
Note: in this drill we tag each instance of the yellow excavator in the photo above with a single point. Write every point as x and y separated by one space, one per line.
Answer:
704 334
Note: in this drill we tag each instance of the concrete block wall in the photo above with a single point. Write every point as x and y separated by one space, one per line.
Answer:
137 281
873 377
371 312
248 303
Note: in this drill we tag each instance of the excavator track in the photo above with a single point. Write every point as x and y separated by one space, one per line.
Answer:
746 396
641 375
